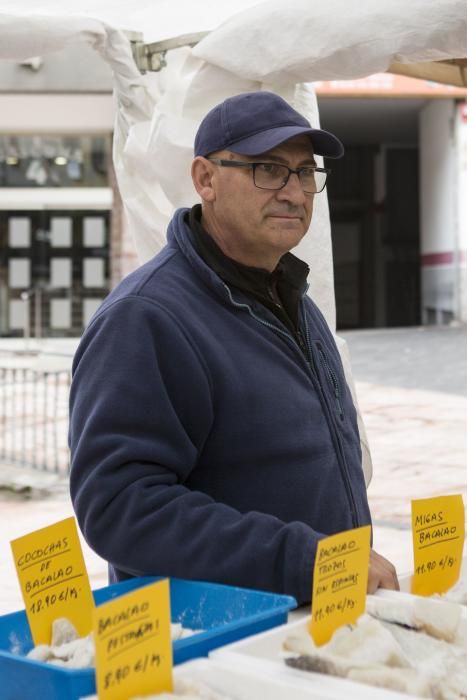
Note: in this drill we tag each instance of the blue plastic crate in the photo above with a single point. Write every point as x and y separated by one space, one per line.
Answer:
224 613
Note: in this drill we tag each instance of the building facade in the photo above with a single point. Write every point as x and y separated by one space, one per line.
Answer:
397 200
62 241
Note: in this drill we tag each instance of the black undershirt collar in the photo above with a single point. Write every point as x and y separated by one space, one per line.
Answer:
280 290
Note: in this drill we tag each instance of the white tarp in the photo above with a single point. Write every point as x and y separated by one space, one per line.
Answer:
271 45
158 19
302 40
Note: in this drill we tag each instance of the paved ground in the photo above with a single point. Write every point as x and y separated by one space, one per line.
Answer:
412 389
430 358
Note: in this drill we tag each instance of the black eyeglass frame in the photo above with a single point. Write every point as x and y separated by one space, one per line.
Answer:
255 164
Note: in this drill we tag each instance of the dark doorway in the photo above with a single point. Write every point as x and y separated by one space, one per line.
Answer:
402 238
350 192
374 203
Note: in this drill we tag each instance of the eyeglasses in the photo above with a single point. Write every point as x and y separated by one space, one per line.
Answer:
273 176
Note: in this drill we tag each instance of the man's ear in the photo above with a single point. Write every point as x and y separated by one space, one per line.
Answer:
202 172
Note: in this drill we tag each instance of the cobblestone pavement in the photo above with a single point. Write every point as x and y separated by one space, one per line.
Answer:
417 427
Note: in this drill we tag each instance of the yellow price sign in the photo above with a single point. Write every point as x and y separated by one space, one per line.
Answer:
340 581
438 533
133 643
53 579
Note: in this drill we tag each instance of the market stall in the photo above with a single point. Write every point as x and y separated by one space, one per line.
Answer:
403 646
280 47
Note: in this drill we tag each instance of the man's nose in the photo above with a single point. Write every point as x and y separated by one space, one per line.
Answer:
292 191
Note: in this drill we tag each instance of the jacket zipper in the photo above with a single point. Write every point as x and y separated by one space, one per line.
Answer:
272 326
333 380
314 377
341 455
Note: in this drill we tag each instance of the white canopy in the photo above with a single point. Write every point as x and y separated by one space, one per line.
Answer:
275 45
158 19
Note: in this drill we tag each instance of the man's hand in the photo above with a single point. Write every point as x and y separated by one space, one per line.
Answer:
382 574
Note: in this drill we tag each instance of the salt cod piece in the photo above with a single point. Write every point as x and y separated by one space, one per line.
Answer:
176 631
391 609
388 655
63 631
438 618
426 653
40 653
188 690
320 663
367 643
300 642
84 654
458 593
79 653
70 650
404 680
453 684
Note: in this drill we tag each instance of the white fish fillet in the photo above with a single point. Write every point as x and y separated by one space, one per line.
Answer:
455 679
438 618
177 631
392 656
40 653
458 593
63 631
403 680
365 644
426 653
186 689
70 650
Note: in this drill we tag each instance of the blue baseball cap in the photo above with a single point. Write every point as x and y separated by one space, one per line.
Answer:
255 122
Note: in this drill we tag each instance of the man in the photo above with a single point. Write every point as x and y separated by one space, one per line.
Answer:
212 432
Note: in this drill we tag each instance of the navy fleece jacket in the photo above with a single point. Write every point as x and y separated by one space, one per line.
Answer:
204 444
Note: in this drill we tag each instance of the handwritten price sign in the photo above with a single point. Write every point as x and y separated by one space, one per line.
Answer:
53 579
438 532
340 582
133 644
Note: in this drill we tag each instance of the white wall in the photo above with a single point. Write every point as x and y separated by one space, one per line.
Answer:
437 176
438 215
462 208
56 114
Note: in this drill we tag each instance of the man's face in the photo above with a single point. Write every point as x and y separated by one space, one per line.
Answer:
257 226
